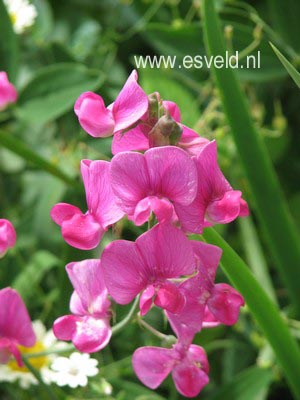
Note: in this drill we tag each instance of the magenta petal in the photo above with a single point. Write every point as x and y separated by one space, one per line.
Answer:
209 320
225 303
64 327
131 140
172 174
93 116
8 93
167 252
15 323
162 208
189 380
130 105
100 198
191 217
142 211
62 212
152 365
173 109
82 231
208 258
8 236
191 141
125 272
88 282
146 299
244 209
170 298
129 179
92 334
226 209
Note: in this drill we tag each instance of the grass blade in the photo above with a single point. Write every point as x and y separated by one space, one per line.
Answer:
294 74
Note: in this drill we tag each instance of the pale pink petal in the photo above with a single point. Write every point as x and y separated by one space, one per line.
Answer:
76 306
88 282
130 105
131 140
100 198
226 209
125 272
167 252
146 299
152 365
15 323
129 179
91 334
8 236
172 174
62 212
82 231
225 303
173 109
93 116
65 327
189 379
170 298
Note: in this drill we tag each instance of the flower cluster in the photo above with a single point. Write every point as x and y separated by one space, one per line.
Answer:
164 173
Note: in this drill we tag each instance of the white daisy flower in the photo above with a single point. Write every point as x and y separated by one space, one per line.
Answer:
74 371
22 14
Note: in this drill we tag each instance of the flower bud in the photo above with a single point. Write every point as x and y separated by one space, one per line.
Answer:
7 236
8 93
165 132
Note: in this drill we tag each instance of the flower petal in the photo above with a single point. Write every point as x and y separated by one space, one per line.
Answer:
131 140
152 365
130 105
93 116
170 298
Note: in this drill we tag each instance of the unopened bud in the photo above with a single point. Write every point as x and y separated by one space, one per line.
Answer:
165 132
228 32
155 106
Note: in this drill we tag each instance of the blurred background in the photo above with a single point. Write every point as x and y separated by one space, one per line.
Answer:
77 45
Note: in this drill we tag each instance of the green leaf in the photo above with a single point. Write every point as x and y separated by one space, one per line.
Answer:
251 384
28 279
21 149
294 74
271 206
8 45
54 90
263 310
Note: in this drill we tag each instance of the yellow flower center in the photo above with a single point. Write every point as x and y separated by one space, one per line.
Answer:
36 362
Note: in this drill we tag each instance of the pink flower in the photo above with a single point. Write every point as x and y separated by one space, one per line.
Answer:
152 182
88 328
7 236
15 326
8 93
138 138
100 121
188 365
147 265
84 231
207 304
216 202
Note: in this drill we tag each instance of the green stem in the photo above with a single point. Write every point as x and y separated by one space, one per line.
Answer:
21 149
271 207
155 332
255 256
36 374
263 310
118 327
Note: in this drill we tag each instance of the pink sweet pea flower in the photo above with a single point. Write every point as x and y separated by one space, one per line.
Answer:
8 93
187 363
88 328
146 266
15 326
138 137
100 121
152 182
7 236
84 231
216 202
207 304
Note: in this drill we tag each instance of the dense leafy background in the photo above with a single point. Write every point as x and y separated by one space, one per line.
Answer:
80 45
